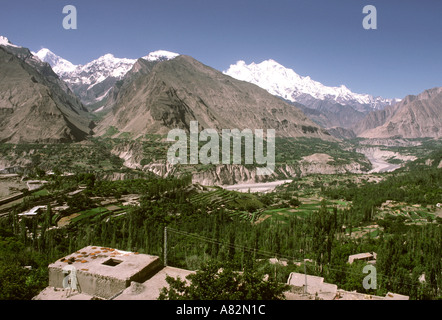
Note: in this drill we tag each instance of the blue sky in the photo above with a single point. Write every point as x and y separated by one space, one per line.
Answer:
320 38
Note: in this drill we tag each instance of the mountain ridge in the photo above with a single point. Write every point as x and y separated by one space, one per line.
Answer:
181 90
416 116
327 106
93 81
286 83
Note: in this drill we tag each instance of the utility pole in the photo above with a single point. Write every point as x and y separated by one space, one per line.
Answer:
165 246
305 273
305 267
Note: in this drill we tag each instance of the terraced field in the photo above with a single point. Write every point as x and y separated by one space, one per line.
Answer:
410 213
244 206
307 207
95 214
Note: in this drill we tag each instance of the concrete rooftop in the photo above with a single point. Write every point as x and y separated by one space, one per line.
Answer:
150 289
106 262
102 272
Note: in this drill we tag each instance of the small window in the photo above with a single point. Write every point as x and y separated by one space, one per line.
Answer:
112 262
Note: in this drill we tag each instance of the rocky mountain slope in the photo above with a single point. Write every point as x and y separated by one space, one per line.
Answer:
414 117
59 65
330 115
178 91
35 105
342 133
128 83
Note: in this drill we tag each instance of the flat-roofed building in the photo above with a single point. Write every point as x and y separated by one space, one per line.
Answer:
102 272
107 274
313 285
369 257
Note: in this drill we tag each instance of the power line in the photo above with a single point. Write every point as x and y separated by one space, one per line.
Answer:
272 254
244 248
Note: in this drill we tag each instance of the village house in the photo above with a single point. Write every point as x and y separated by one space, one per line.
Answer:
369 257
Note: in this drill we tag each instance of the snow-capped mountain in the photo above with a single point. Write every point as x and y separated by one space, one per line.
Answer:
5 42
99 70
30 58
58 64
161 55
93 81
286 83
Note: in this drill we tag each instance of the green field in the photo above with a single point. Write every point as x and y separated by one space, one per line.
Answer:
42 192
302 211
96 213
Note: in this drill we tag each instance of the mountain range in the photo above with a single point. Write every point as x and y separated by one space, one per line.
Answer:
172 93
92 82
286 83
160 92
328 106
105 80
164 90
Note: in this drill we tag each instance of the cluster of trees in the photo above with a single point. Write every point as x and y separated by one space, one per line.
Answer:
217 281
152 187
291 150
196 237
65 157
23 272
403 258
416 187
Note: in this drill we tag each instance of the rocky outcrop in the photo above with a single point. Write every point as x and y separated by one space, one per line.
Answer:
234 174
318 163
131 153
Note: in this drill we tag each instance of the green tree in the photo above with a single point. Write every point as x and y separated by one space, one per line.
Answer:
214 282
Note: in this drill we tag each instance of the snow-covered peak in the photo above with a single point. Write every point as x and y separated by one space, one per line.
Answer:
5 42
58 64
103 67
93 81
161 55
99 69
110 59
286 83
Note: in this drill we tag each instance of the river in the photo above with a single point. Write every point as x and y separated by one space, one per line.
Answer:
380 165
